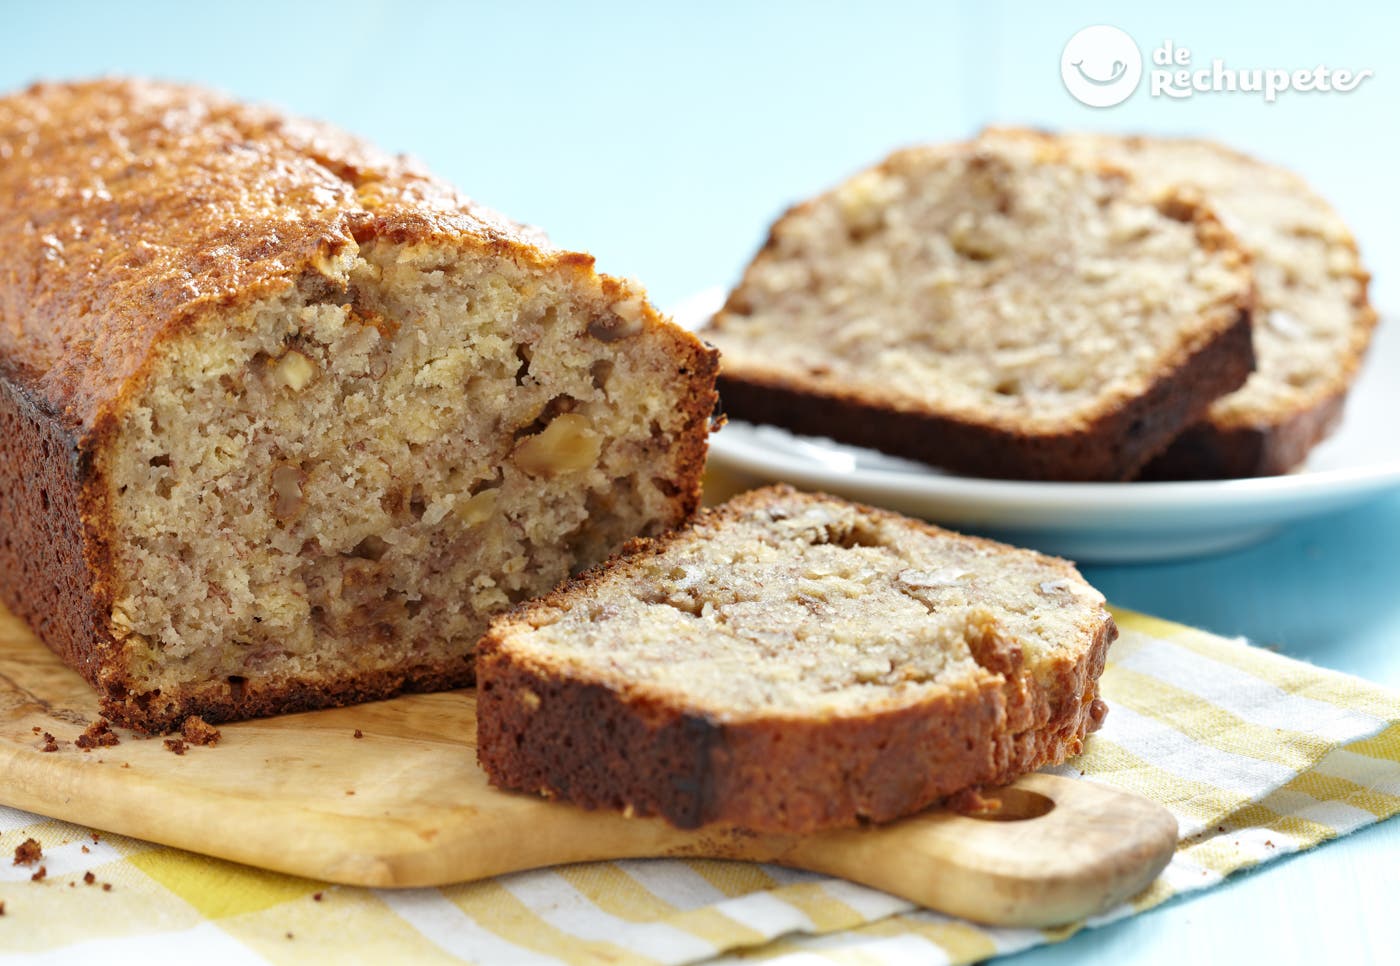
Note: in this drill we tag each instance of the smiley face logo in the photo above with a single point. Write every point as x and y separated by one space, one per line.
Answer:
1101 66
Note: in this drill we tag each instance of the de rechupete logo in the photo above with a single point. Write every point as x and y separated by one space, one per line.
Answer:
1102 66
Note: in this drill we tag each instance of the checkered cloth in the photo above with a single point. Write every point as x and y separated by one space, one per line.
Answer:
1257 755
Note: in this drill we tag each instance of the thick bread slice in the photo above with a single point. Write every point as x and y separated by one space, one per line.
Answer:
284 420
793 662
997 309
1313 321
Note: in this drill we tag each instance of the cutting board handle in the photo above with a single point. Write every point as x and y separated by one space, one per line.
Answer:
1058 850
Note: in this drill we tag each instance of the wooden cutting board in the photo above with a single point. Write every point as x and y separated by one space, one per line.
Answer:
406 805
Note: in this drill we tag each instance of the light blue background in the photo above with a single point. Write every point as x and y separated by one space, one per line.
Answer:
663 138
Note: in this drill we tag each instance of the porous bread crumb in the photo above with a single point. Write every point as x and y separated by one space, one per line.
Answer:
375 506
1312 322
28 852
997 284
772 609
197 731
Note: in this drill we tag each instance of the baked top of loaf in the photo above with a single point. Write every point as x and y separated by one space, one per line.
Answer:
134 206
286 420
1312 320
790 662
1004 284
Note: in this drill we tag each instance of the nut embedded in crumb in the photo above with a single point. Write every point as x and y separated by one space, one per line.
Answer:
287 499
566 445
176 745
295 371
197 731
99 734
28 852
625 321
478 508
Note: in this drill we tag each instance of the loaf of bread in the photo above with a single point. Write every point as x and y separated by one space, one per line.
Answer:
1313 321
284 420
999 309
793 662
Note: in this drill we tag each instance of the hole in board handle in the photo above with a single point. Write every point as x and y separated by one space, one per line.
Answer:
1009 805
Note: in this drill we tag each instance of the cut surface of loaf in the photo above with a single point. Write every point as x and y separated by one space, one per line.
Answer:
793 662
286 420
998 309
1313 321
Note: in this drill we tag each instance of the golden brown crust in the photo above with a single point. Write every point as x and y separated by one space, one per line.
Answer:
135 211
134 207
599 748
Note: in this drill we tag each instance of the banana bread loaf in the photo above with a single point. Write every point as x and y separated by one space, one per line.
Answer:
999 309
793 662
1313 320
284 420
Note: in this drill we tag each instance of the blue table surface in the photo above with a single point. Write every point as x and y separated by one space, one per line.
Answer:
664 139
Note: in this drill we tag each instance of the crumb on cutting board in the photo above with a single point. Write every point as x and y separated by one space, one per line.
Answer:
28 852
89 878
99 734
50 743
176 745
40 875
197 731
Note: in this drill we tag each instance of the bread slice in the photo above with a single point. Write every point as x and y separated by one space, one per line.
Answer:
1313 320
284 420
793 662
998 309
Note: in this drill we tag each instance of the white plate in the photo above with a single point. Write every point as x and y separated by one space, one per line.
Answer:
1096 522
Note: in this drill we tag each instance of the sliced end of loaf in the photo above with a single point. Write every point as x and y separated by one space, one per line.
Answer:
793 662
324 497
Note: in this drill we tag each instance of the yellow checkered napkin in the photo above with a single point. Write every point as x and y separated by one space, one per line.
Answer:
1257 755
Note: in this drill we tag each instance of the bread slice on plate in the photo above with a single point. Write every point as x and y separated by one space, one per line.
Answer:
1313 320
998 309
284 420
793 662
